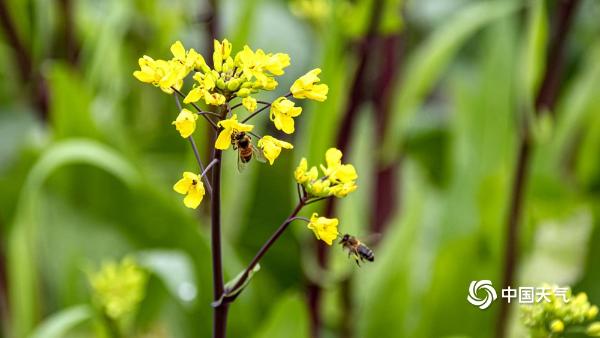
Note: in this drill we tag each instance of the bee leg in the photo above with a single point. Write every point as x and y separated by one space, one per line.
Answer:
357 263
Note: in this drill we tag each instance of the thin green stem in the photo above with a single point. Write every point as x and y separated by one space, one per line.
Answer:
219 312
263 250
196 153
205 116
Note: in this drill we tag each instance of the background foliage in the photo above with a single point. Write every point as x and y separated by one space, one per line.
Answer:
88 158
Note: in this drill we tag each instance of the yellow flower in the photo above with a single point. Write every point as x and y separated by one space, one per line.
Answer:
118 288
190 185
160 73
336 171
303 175
221 53
339 179
249 103
282 114
319 188
191 59
343 189
229 126
194 95
324 228
185 123
306 88
272 147
214 99
557 326
276 63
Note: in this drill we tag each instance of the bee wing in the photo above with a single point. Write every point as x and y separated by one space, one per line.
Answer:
372 239
258 154
241 165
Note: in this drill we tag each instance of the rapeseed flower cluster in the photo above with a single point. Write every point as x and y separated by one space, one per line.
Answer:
118 288
560 315
338 179
231 76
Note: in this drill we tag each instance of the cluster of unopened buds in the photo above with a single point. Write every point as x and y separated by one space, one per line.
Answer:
561 315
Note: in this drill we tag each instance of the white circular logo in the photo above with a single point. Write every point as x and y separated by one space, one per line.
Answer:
490 293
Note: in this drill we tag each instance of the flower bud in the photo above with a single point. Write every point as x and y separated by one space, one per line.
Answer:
593 330
557 326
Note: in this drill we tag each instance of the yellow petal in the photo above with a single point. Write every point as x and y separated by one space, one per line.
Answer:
185 123
249 103
193 96
193 198
333 157
224 139
182 186
178 51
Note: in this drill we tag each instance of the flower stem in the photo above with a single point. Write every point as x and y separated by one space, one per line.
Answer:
263 250
220 312
202 112
267 105
545 101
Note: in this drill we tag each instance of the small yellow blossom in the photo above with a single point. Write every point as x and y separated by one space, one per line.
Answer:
214 99
339 180
249 103
303 175
190 185
160 73
190 59
336 171
306 88
118 288
229 126
185 123
343 189
324 228
557 326
221 53
282 114
271 147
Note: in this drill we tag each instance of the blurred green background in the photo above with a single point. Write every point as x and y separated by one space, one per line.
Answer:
430 100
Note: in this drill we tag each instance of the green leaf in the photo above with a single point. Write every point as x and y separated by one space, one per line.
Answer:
288 318
59 324
534 49
230 291
175 269
427 63
22 248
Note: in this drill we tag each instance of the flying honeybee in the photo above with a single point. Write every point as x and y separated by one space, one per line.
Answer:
357 249
242 142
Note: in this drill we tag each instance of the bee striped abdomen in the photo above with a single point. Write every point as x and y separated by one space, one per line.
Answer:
246 154
366 253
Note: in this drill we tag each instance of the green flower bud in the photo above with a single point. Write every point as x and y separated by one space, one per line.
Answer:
593 330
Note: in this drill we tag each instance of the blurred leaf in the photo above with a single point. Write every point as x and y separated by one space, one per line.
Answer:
559 249
391 17
59 324
288 318
23 236
429 60
70 108
175 269
534 50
